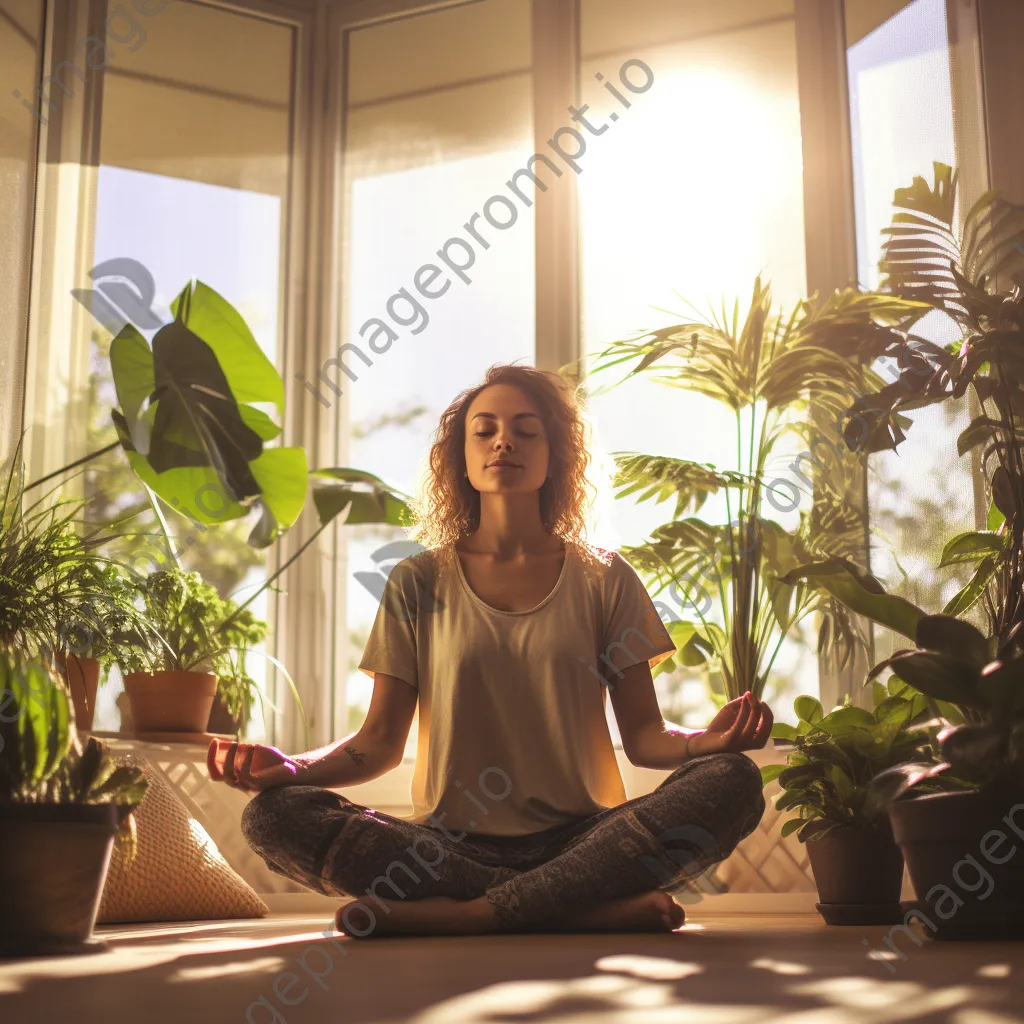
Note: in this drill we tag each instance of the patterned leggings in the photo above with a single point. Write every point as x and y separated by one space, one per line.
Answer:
694 819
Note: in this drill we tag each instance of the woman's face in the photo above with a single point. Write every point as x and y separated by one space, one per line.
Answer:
506 445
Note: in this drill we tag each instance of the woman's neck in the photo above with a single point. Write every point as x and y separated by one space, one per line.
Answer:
510 525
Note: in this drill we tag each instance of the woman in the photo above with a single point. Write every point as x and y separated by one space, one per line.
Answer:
509 631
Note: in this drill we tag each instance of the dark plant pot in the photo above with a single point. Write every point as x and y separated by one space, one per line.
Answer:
955 898
223 722
53 864
170 701
859 874
83 678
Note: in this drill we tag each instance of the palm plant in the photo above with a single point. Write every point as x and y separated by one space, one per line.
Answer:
781 375
974 277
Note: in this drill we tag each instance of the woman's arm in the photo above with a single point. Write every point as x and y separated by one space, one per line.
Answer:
373 749
651 742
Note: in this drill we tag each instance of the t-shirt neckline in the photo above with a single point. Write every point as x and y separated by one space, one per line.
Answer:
502 611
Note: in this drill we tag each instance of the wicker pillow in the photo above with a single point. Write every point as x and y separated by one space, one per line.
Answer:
178 874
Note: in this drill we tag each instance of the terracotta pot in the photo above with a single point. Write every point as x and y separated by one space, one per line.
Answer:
83 678
171 701
940 834
53 864
859 874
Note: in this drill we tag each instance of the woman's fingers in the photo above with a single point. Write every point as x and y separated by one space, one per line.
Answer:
211 762
231 764
764 729
245 771
735 732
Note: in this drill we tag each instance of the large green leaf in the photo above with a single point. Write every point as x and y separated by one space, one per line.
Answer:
197 444
808 709
258 421
658 478
935 675
282 474
131 366
965 599
972 547
251 376
692 649
197 419
861 593
844 720
367 498
956 639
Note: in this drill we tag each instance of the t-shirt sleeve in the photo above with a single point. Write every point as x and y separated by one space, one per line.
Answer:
633 630
391 646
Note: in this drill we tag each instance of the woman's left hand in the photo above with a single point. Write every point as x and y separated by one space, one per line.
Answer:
743 724
249 766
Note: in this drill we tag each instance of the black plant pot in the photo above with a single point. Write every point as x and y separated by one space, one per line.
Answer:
859 874
53 864
223 722
958 899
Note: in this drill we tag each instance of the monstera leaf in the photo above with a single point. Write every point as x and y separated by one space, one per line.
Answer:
366 497
187 423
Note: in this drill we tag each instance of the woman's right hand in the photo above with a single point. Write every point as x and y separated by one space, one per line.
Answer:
249 766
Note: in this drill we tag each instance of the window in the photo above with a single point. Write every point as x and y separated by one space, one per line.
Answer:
437 120
187 177
693 191
903 117
219 148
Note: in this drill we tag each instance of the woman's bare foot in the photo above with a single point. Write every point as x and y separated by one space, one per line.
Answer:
436 915
647 912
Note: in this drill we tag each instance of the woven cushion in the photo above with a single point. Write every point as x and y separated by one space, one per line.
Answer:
178 874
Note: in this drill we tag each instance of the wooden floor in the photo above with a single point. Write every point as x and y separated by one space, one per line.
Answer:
715 970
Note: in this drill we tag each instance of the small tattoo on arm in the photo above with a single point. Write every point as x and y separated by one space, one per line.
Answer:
356 756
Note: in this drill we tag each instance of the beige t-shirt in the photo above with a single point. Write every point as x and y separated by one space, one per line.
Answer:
513 736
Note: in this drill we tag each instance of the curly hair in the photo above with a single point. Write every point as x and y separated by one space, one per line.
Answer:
449 506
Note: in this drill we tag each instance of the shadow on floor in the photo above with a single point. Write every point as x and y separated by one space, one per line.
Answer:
716 973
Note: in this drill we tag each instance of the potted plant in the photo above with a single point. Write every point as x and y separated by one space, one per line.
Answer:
949 806
774 371
170 677
192 428
828 779
95 639
61 806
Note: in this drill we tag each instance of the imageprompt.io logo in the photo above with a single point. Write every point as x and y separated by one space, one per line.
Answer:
386 558
124 294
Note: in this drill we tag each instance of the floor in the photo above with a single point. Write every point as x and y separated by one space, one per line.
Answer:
723 969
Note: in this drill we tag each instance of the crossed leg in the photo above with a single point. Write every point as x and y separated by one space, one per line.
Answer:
606 872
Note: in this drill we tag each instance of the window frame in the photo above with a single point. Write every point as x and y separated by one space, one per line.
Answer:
59 331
